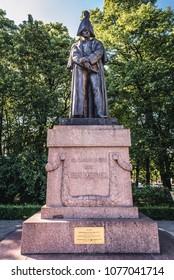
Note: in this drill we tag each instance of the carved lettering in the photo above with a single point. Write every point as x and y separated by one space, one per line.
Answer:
100 159
88 166
87 175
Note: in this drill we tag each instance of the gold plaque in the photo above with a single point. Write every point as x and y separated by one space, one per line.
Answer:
89 235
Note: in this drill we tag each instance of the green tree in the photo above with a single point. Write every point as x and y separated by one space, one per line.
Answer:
36 91
43 80
140 38
7 31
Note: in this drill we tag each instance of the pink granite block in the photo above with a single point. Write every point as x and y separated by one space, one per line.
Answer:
120 235
87 136
89 185
89 177
88 212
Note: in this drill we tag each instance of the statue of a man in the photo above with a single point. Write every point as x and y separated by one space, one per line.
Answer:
87 57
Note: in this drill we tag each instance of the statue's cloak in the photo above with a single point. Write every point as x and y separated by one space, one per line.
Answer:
82 105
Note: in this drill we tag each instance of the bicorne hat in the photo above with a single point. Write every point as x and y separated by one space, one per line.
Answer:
85 23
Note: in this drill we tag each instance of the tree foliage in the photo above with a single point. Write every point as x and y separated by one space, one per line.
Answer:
35 89
34 93
139 38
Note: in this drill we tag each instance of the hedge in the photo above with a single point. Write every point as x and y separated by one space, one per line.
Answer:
149 195
18 212
158 212
22 212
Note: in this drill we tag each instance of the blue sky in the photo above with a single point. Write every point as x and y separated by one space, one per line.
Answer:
67 12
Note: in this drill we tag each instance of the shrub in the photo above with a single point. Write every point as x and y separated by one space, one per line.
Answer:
158 212
18 212
150 195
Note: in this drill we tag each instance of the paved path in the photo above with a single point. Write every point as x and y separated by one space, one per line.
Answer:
10 236
167 226
9 226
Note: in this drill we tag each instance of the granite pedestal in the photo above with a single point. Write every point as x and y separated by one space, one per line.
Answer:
89 206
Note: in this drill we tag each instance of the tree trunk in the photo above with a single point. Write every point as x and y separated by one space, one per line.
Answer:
147 171
166 181
165 173
137 173
1 123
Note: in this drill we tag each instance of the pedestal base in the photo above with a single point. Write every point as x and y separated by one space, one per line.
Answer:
120 235
88 212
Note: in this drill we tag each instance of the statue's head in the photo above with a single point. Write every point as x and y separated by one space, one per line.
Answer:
85 26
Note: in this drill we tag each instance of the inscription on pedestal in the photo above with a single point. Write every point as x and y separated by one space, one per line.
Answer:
88 175
90 178
89 235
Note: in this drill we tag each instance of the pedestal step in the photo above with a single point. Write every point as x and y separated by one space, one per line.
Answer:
118 235
88 212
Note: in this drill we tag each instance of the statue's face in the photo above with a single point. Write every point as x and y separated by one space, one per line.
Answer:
86 33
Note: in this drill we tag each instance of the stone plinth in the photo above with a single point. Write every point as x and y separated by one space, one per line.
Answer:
89 189
120 236
88 166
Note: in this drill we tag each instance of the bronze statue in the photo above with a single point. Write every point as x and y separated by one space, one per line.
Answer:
87 57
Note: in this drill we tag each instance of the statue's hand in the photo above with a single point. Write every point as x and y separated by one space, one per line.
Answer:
87 65
83 60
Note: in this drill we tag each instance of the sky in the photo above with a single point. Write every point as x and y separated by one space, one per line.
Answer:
67 12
